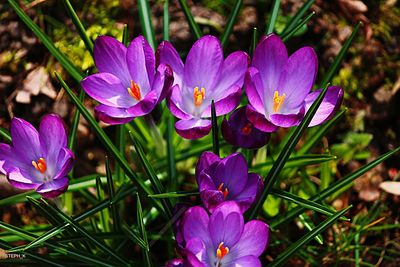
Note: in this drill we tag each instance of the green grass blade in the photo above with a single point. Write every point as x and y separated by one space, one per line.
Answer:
273 175
192 23
287 36
64 61
104 138
333 188
174 194
322 130
158 187
125 35
273 16
5 135
133 236
171 154
146 22
111 192
305 203
139 214
104 215
166 20
290 251
335 65
79 26
231 22
73 132
214 130
88 235
295 19
254 41
309 225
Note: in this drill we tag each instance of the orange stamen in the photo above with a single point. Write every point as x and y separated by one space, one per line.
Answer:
247 128
222 251
278 101
225 192
40 165
198 96
134 91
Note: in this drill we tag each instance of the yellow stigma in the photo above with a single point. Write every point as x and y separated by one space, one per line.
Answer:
224 192
222 251
134 91
40 165
278 101
199 96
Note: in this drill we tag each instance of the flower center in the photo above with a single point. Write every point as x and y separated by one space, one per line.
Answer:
225 192
247 129
40 165
198 95
222 251
278 101
134 91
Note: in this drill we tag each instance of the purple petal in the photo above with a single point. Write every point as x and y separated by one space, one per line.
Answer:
65 162
197 247
254 239
175 104
195 225
141 63
205 182
206 159
6 158
162 82
112 115
193 128
203 63
107 89
167 54
255 90
175 263
287 120
297 78
227 104
251 191
330 104
22 179
245 261
270 57
225 228
211 199
144 106
110 56
233 172
53 188
52 138
232 74
259 121
25 140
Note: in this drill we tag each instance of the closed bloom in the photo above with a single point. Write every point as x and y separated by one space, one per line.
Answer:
279 87
37 160
128 85
226 179
206 76
240 132
223 239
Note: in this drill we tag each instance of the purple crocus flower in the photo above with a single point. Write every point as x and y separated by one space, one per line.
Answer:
226 179
223 239
206 76
175 263
127 85
37 160
240 132
279 87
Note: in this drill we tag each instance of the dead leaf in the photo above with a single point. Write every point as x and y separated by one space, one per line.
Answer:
391 187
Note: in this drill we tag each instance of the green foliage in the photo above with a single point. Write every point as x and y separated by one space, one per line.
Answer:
353 147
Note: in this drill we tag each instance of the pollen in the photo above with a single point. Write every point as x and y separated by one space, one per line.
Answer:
278 101
40 165
222 251
247 129
224 192
199 95
134 91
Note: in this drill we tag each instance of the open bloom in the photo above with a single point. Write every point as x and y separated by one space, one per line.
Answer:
223 239
226 179
127 85
206 76
240 132
37 160
279 87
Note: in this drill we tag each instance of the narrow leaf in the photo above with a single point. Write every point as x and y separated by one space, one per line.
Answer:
302 22
273 16
192 23
231 22
295 19
146 22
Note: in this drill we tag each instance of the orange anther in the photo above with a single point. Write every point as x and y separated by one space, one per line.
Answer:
40 165
134 91
199 95
222 251
278 101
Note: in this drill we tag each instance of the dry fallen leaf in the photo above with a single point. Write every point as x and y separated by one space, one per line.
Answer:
391 187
